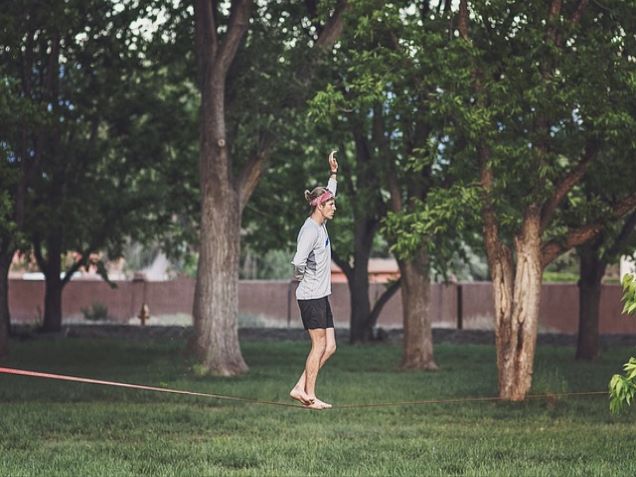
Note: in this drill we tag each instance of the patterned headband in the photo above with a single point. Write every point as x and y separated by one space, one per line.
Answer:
326 195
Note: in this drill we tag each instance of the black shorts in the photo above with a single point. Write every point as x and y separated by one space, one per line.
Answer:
316 313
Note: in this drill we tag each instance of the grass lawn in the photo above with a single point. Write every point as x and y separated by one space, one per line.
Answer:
60 428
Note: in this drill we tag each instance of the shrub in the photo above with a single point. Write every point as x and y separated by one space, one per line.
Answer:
97 312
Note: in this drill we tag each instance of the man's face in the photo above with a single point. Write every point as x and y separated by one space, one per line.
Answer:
328 209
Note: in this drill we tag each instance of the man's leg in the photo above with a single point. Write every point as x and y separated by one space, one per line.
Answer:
312 365
330 349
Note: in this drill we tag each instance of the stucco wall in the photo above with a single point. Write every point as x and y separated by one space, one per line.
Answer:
267 303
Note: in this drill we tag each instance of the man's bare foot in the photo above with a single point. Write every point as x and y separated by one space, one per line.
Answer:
318 404
301 396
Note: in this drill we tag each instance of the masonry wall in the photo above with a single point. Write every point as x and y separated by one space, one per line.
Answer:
272 303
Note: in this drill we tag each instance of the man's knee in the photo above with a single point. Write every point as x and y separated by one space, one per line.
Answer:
330 349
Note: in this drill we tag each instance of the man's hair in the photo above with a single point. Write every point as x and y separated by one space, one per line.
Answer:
314 194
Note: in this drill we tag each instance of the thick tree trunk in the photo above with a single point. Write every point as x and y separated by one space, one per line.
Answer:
5 317
216 293
591 274
517 309
416 298
216 342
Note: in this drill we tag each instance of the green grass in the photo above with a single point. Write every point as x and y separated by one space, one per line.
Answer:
57 428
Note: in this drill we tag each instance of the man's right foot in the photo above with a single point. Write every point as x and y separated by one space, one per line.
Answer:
301 396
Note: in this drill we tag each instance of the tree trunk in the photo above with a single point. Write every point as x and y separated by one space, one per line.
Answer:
216 293
416 299
591 274
215 310
5 317
53 290
517 309
361 330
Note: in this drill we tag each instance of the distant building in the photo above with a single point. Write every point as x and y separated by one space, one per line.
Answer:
628 265
381 270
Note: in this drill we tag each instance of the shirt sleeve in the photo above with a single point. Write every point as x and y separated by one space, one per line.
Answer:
332 185
305 244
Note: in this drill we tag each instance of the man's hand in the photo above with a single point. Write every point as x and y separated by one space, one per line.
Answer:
333 163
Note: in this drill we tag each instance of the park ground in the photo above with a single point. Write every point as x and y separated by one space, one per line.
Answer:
60 428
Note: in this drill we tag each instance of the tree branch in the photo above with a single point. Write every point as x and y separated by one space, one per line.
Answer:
567 183
623 236
462 19
238 24
207 42
578 13
344 265
384 298
551 250
333 28
251 173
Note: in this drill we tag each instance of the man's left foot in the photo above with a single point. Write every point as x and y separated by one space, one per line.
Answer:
318 405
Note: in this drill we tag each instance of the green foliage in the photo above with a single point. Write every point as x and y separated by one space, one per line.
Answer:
111 127
96 312
623 388
629 294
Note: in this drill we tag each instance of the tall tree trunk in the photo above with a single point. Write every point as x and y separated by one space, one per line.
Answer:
591 275
361 330
5 317
516 301
53 289
416 293
215 308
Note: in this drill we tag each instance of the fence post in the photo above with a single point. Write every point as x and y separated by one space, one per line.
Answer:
460 307
289 294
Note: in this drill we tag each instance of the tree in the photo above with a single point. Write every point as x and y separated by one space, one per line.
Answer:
622 389
93 188
535 120
594 257
17 169
226 184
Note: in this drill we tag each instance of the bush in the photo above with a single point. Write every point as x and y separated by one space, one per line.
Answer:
97 312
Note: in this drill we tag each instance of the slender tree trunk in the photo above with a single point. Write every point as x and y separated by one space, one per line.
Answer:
591 274
418 333
361 330
53 290
517 309
5 317
360 306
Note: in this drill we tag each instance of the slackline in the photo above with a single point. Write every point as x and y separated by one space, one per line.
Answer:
62 377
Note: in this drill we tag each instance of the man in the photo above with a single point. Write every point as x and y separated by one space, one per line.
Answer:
312 268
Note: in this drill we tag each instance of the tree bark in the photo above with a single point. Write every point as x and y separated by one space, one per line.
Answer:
516 300
5 317
416 293
52 268
216 292
591 274
361 330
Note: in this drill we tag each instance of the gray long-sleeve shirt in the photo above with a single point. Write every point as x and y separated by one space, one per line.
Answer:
312 261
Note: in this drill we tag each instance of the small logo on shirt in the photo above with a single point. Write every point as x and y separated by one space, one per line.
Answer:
327 242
